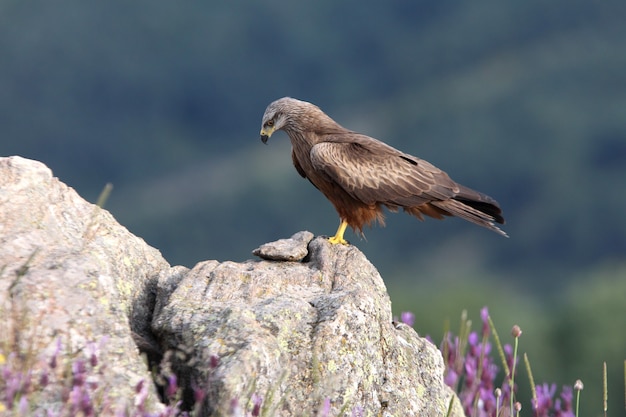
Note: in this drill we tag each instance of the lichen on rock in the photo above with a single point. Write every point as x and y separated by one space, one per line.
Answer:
307 326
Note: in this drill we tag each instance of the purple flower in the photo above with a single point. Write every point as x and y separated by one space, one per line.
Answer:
235 410
79 372
472 339
139 386
85 404
490 371
487 399
257 401
407 318
568 396
508 353
44 379
28 378
92 351
563 406
471 370
23 406
451 378
214 361
484 316
325 411
198 393
544 399
172 386
487 348
80 401
12 387
142 394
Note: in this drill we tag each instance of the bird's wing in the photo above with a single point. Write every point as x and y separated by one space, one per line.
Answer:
374 172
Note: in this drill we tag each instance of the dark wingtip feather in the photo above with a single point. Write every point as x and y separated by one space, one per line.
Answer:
481 202
489 208
482 213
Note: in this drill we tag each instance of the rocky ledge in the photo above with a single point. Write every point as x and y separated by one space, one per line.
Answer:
305 329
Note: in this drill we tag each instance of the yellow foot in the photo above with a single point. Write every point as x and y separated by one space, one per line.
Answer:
338 238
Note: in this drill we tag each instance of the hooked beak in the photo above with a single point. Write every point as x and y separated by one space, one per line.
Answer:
265 134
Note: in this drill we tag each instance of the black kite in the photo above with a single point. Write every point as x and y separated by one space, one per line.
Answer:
360 175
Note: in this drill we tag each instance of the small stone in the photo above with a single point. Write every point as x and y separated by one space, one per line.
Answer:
293 249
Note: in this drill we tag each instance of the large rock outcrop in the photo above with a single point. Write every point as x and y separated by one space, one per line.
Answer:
70 273
303 331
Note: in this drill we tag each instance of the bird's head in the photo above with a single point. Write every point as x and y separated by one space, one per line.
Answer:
280 114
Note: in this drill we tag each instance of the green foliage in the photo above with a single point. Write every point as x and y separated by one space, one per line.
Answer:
566 339
589 334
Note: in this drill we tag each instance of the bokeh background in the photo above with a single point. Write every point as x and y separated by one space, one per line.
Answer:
525 101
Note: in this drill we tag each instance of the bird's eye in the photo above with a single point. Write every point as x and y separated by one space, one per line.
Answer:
270 123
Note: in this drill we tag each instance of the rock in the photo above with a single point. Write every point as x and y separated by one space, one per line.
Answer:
309 330
297 334
292 249
70 272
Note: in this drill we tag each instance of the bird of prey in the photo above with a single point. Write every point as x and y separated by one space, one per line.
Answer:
360 175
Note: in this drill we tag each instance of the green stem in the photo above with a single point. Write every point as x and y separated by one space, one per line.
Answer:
512 380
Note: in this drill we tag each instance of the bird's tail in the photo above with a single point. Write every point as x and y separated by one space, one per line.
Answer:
472 211
474 207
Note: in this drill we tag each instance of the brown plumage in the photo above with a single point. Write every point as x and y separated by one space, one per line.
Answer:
360 175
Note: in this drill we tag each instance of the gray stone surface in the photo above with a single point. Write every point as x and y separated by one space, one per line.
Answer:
312 325
69 271
297 334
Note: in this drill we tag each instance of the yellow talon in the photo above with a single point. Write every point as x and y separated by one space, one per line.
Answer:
338 238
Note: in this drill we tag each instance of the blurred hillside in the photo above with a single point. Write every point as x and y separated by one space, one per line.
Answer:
525 101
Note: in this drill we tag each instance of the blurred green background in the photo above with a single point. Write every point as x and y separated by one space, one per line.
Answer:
525 101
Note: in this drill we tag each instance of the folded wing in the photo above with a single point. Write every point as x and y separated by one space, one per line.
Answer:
375 173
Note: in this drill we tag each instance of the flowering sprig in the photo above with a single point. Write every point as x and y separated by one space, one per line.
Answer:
471 372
